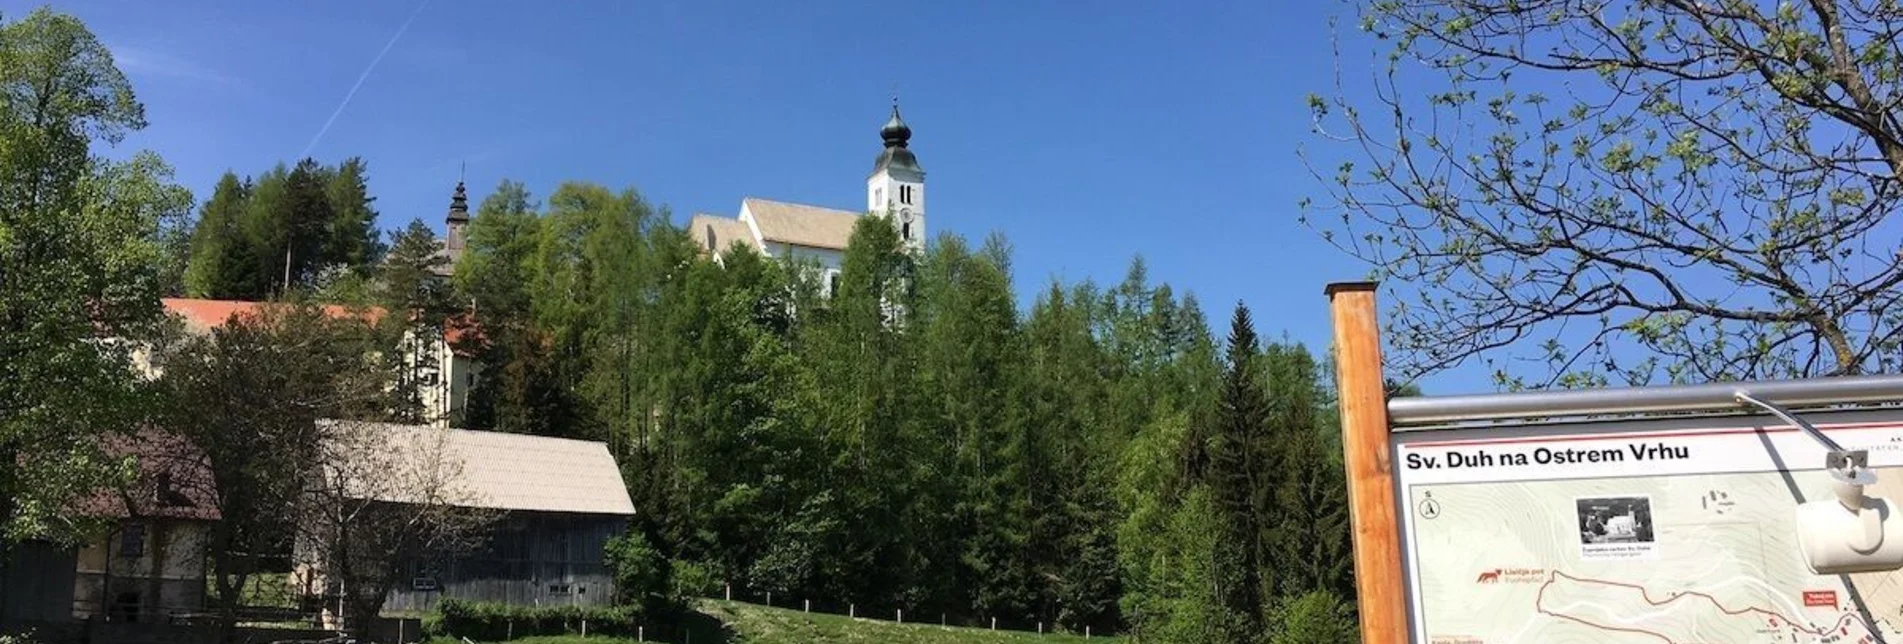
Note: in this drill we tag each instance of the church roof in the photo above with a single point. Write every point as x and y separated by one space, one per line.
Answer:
800 224
716 233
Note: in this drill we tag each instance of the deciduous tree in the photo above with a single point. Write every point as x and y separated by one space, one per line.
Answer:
1676 190
80 262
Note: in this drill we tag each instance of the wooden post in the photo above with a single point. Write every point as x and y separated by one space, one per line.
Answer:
1381 597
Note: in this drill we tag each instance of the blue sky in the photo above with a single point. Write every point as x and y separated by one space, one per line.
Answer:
1087 136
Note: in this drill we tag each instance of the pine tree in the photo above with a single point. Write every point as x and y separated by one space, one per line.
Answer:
1309 541
1241 471
409 286
350 235
221 256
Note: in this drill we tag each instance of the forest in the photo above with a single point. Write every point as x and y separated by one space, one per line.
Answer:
914 440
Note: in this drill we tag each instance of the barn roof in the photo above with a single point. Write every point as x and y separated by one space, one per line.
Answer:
499 471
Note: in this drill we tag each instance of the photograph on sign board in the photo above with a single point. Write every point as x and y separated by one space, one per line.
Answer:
1619 526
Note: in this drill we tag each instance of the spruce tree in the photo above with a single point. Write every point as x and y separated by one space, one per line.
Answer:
221 256
350 235
1241 470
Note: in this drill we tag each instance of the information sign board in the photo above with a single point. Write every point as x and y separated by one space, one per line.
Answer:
1674 530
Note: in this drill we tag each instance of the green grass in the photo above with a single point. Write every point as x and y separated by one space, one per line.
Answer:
755 624
723 622
546 639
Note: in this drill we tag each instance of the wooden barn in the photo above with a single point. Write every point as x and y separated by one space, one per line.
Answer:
555 504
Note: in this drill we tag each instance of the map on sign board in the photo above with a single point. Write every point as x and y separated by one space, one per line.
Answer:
1672 532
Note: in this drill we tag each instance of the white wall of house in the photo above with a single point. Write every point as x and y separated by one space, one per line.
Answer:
149 567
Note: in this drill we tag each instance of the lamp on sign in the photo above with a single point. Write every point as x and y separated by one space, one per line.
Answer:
1847 532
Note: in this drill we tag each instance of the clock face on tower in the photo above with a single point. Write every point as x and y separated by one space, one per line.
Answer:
905 215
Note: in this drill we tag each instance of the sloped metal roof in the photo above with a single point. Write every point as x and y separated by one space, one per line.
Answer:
499 471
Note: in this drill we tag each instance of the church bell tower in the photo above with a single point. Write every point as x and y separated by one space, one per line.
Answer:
896 188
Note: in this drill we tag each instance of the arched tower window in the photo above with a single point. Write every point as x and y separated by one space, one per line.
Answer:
905 231
710 238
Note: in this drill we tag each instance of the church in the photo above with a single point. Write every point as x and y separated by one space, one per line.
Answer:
895 190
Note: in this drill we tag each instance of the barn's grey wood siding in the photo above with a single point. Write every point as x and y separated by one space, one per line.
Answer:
36 584
531 559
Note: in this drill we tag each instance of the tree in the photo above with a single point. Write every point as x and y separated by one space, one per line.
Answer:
350 236
1243 473
968 341
409 285
1310 545
250 395
80 260
1689 190
595 251
298 224
518 391
222 259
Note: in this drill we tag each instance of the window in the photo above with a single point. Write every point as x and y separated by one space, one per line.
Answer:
905 195
132 541
878 198
560 589
905 231
832 283
710 237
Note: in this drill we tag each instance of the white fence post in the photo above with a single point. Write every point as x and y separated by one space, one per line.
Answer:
901 616
808 606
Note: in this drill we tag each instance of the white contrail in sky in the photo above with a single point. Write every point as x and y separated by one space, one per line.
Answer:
361 78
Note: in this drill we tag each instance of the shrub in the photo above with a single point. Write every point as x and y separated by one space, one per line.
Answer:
1315 617
495 622
695 579
640 572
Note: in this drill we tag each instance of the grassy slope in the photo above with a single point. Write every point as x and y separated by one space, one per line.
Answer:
755 624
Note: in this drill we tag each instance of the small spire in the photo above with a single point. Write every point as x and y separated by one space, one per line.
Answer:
459 204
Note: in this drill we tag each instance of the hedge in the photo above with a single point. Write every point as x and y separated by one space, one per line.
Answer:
495 622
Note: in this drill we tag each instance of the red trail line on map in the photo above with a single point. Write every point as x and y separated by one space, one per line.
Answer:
1540 600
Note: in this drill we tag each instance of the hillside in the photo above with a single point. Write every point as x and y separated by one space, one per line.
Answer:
755 624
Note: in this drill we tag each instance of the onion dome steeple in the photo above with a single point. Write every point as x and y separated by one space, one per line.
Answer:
896 155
